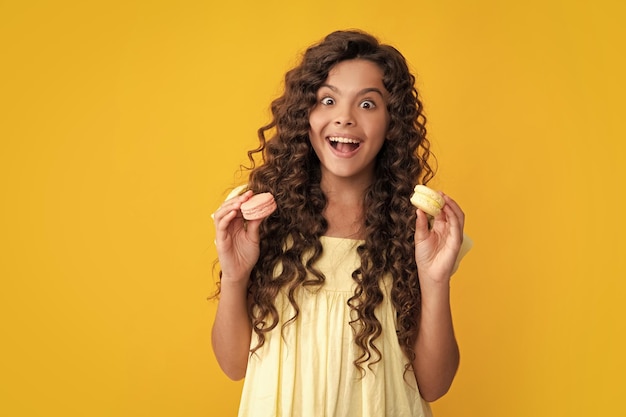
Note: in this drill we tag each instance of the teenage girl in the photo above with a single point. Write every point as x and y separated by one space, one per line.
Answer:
338 303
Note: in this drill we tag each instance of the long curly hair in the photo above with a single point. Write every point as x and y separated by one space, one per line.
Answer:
290 169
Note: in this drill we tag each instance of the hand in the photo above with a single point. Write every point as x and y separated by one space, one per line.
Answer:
236 239
437 248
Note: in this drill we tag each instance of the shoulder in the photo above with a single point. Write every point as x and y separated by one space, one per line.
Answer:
236 191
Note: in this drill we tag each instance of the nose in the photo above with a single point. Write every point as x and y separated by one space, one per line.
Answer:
344 116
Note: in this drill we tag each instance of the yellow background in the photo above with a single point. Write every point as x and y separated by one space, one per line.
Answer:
123 123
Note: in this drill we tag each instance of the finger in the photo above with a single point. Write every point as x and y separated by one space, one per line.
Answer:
226 207
455 225
223 219
455 208
421 226
246 196
252 228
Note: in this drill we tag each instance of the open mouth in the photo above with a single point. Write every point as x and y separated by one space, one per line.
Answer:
344 145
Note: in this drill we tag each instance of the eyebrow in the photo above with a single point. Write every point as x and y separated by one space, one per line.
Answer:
360 93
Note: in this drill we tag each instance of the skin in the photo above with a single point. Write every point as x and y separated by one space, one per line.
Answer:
436 349
238 251
351 104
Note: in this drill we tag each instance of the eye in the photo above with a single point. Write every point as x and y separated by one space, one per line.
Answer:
367 104
327 101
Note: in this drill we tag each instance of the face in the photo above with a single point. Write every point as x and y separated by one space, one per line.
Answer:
349 122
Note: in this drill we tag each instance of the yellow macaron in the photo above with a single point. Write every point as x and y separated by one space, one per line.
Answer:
428 200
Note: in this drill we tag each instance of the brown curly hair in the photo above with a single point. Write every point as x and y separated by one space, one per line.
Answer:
290 169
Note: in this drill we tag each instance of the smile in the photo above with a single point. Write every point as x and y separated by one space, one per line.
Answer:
343 145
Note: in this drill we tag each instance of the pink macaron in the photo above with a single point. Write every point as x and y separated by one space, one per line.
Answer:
258 206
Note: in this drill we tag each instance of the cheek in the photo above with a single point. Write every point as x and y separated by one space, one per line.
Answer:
382 126
315 120
315 126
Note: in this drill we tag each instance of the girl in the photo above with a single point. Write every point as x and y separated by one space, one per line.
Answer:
338 303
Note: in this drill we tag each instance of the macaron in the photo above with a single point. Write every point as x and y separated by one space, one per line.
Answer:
258 206
428 200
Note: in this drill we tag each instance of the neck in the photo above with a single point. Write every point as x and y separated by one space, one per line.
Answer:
345 190
344 207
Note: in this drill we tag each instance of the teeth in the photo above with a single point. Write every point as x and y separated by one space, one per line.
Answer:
342 140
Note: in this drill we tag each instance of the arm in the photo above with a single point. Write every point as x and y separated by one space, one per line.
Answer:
238 250
231 332
436 349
